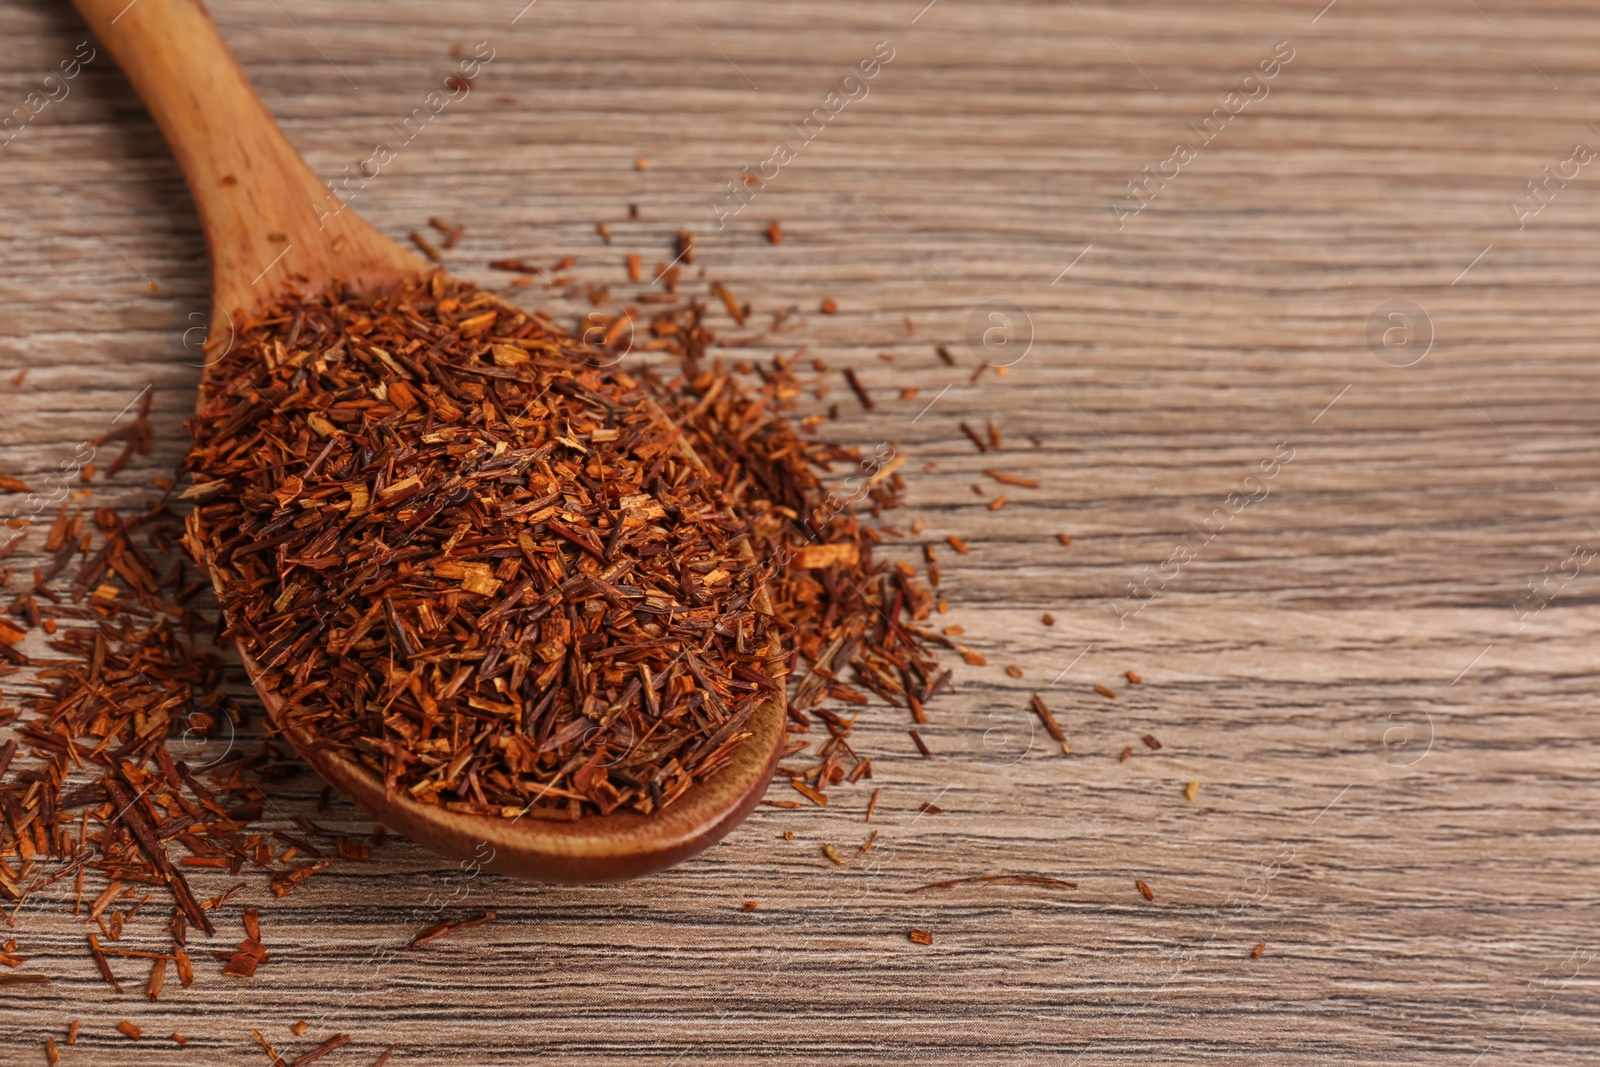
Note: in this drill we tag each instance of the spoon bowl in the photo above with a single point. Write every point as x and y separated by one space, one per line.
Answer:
595 848
271 225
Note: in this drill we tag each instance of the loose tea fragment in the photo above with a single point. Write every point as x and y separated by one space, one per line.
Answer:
101 963
272 1053
438 930
305 1058
158 976
815 796
425 247
1005 478
1052 727
859 389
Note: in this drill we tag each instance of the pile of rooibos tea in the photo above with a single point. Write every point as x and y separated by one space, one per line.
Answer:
467 558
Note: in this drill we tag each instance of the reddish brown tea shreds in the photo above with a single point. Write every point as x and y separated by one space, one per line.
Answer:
472 561
108 770
844 614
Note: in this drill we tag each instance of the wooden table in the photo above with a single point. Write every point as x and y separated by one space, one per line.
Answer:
1392 732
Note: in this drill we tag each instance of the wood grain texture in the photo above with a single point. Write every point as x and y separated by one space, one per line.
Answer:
266 216
1433 903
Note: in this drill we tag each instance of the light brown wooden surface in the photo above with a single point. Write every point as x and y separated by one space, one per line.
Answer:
1428 904
266 216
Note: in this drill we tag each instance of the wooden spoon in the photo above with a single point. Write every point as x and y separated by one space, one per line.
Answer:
269 225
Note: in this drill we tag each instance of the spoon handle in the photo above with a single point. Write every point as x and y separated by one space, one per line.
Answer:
265 214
